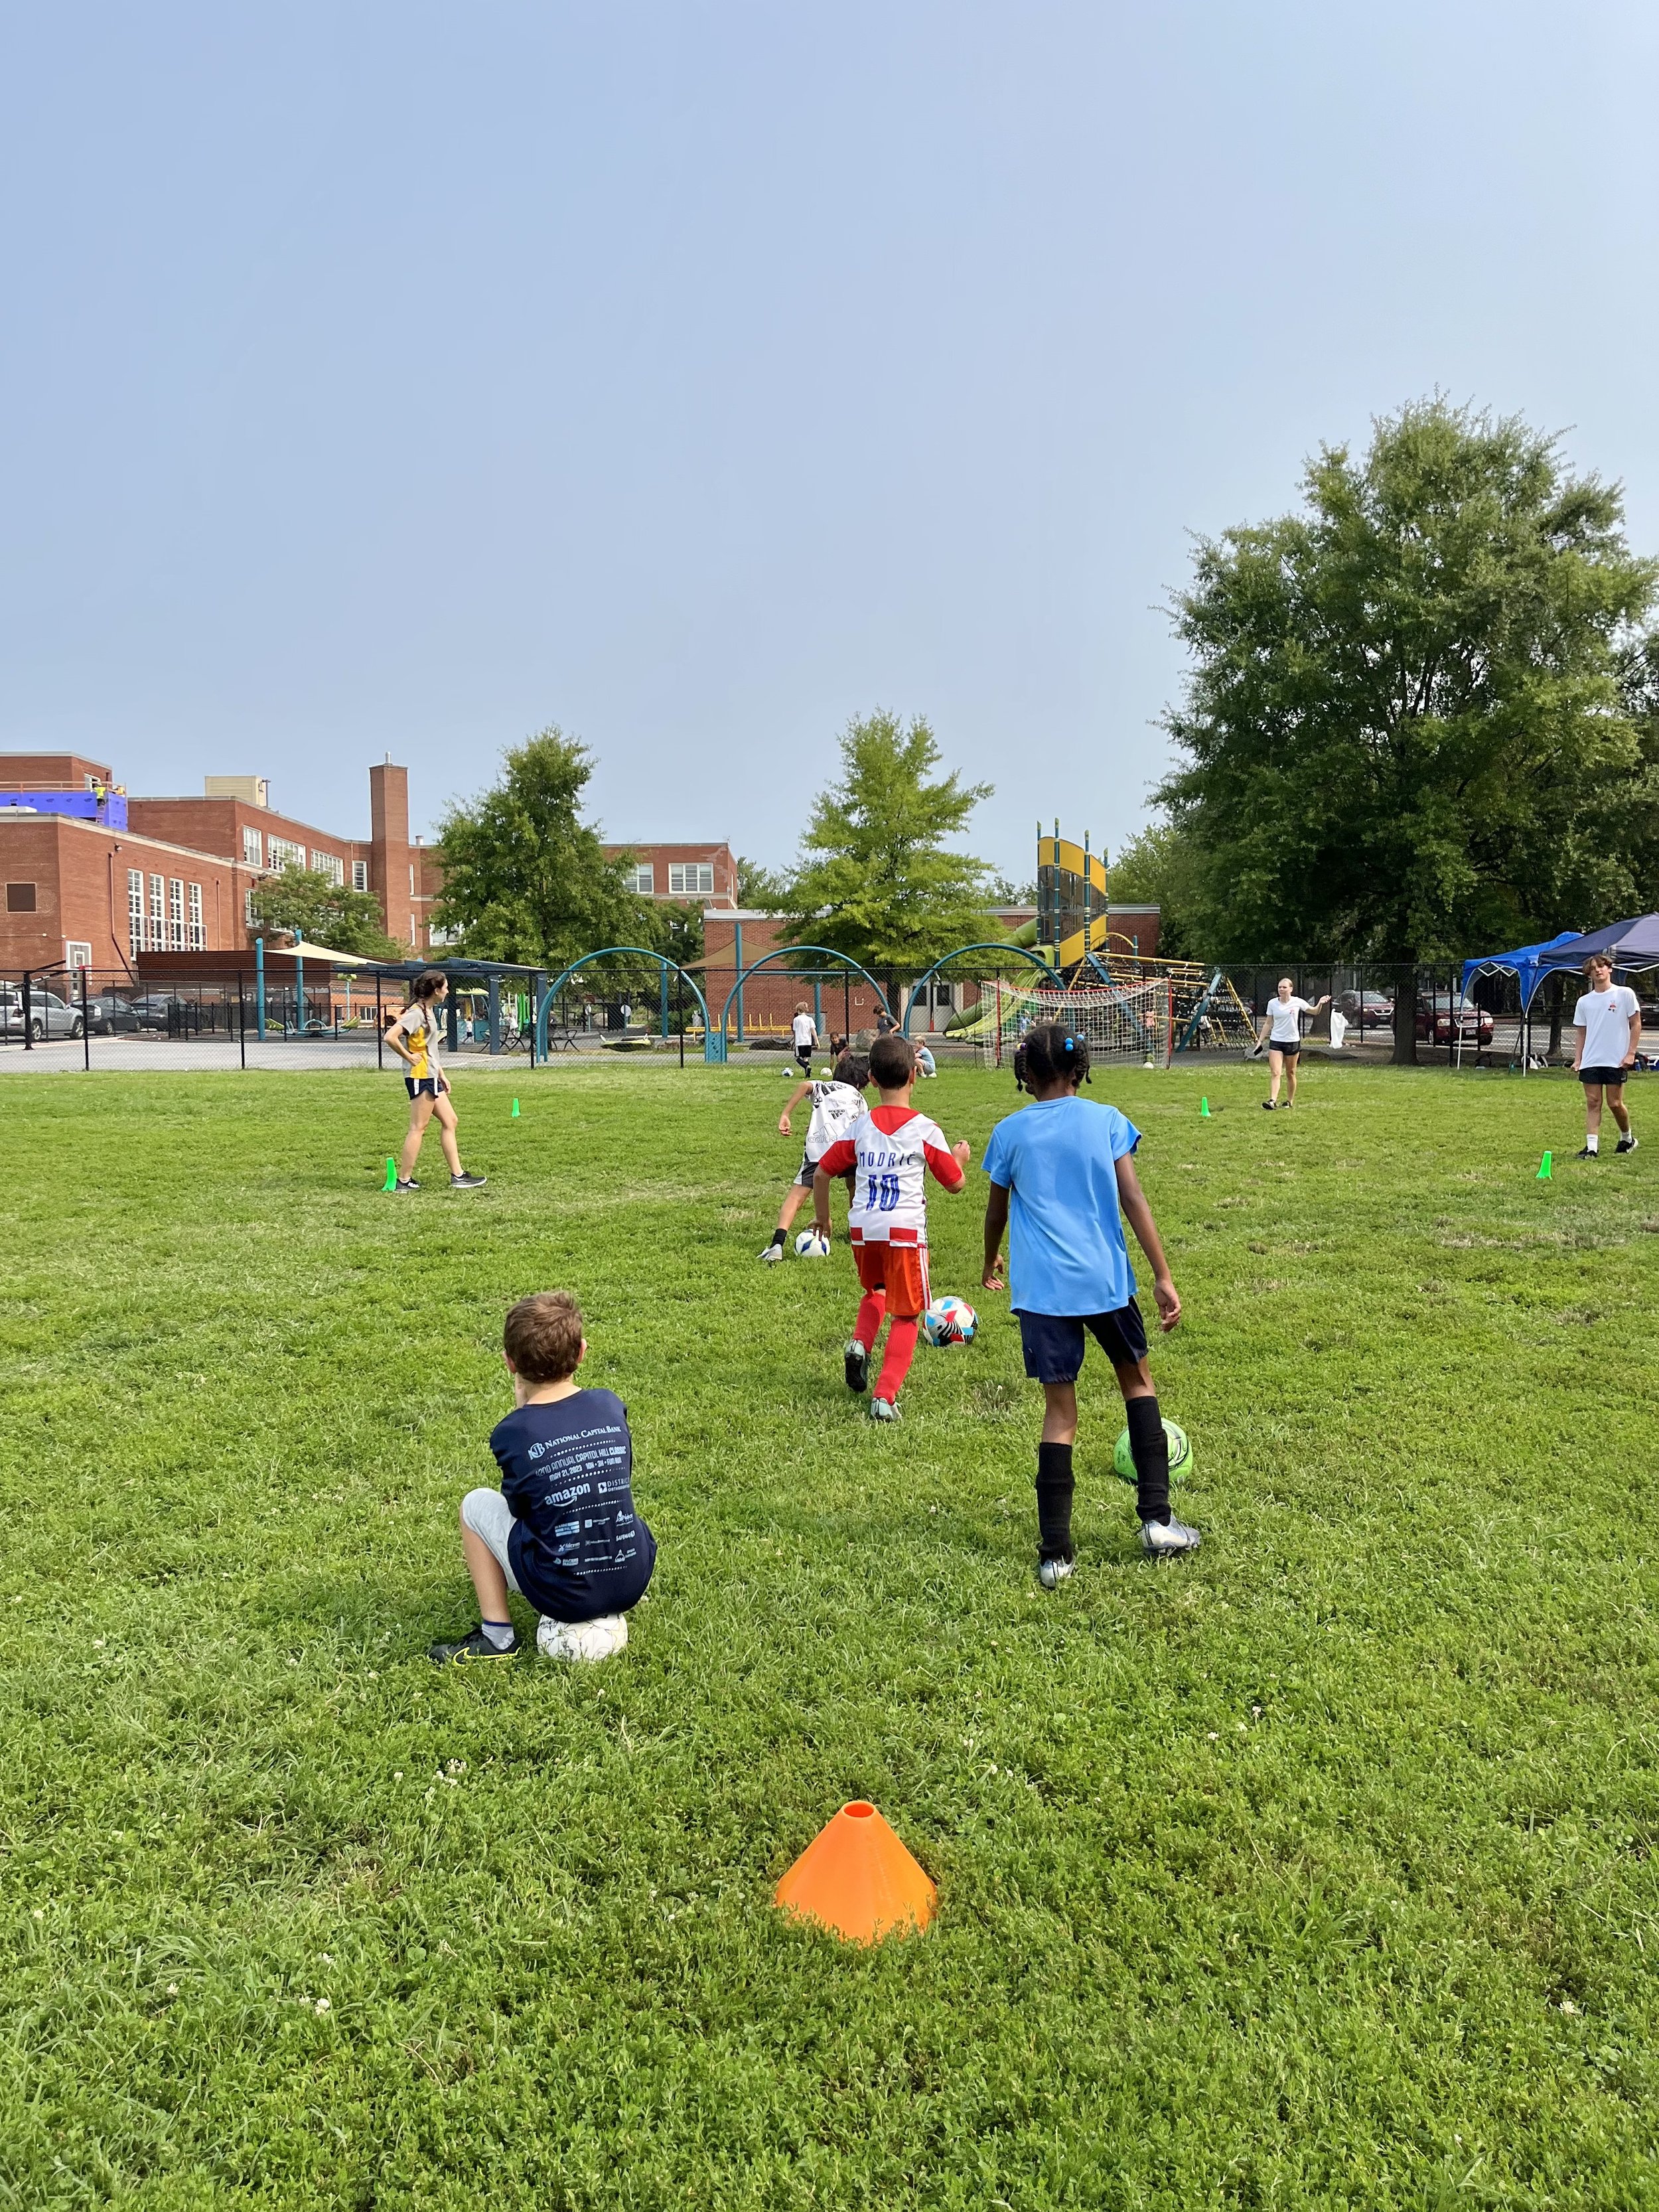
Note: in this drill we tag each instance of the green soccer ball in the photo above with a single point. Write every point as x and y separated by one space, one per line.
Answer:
1181 1455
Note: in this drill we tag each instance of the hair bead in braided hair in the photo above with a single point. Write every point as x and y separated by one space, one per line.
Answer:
1051 1053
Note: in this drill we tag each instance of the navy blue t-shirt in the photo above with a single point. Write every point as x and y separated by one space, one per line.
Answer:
578 1548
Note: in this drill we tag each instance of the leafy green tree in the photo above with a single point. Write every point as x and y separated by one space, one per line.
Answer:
303 902
525 877
1160 867
877 879
760 888
1404 724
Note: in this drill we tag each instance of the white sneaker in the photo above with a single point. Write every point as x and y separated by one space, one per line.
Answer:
1167 1539
582 1640
1051 1573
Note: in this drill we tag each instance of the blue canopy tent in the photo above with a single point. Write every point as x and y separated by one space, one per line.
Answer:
1629 944
1525 963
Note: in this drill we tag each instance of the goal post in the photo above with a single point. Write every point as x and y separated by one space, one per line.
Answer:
1131 1025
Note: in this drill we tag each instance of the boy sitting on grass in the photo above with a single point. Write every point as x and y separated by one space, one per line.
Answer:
561 1531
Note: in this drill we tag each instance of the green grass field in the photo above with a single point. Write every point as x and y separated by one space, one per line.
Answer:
1315 1871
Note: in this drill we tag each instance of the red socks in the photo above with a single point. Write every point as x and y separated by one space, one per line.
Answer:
900 1350
871 1312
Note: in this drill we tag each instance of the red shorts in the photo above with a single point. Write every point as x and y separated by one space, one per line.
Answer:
900 1270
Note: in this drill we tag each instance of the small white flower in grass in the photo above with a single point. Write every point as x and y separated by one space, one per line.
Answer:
1214 1737
323 2005
97 1643
373 1676
1569 2007
399 1776
1242 1728
39 1912
173 1989
327 1961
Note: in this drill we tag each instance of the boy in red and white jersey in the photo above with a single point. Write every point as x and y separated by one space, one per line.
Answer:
891 1150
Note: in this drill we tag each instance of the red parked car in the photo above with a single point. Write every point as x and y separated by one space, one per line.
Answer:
1443 1019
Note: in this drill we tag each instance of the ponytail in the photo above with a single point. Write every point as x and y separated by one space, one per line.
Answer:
1051 1053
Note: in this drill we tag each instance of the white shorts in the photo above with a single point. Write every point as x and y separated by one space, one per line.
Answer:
489 1515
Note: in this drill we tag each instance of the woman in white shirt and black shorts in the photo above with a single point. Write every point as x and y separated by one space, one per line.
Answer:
1282 1035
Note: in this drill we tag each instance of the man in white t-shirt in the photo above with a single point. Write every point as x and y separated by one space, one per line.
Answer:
805 1031
1609 1026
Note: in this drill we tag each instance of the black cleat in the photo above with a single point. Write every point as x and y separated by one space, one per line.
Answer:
858 1366
478 1645
1625 1144
467 1180
1589 1152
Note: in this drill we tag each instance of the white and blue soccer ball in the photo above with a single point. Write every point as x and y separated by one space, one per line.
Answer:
812 1245
950 1320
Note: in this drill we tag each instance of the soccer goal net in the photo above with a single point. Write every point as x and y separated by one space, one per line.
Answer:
1131 1023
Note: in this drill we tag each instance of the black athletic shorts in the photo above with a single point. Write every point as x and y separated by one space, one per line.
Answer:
1054 1343
809 1168
1290 1047
430 1084
1611 1077
803 1055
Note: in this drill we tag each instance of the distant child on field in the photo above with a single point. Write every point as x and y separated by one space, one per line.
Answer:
836 1106
561 1531
1609 1021
890 1149
1063 1166
805 1031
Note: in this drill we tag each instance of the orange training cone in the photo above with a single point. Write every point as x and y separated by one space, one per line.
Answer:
858 1879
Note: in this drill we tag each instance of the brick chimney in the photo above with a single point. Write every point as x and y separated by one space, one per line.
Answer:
391 860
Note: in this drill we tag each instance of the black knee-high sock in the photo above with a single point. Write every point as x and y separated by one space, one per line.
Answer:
1054 1490
1150 1447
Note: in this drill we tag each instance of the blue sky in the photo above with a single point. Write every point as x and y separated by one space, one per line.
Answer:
401 379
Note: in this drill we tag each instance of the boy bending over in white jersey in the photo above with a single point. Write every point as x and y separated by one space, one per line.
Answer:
836 1106
890 1150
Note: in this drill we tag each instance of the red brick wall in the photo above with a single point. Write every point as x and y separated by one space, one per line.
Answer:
49 772
80 873
660 858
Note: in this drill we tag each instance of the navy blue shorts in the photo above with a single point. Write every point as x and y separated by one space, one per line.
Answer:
430 1084
1054 1343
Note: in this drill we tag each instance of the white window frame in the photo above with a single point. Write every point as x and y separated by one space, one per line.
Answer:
247 909
690 879
196 926
645 880
176 914
135 910
360 875
157 932
329 865
253 848
284 853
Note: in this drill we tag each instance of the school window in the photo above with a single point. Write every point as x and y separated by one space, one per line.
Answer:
251 850
198 933
690 879
158 914
247 909
284 853
328 864
135 909
20 898
176 914
645 881
360 875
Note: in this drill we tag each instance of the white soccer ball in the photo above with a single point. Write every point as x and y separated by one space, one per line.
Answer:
810 1245
950 1320
583 1641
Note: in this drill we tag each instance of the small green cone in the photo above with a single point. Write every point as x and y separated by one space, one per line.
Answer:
1547 1171
515 1110
1203 1111
391 1182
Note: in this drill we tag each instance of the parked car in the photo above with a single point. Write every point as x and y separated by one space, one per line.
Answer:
1442 1019
49 1015
1371 1007
109 1015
